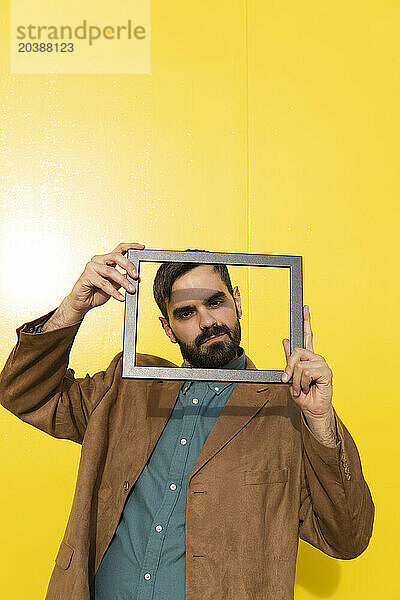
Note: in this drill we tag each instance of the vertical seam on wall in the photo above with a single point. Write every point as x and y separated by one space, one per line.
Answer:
247 159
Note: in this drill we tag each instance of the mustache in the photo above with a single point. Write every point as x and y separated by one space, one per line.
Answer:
211 334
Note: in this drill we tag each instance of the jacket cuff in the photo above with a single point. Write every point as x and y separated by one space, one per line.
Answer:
30 326
26 332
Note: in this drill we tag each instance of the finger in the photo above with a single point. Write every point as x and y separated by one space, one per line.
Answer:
111 274
298 354
311 371
308 334
105 286
312 364
124 246
114 258
286 347
302 378
296 384
319 371
306 379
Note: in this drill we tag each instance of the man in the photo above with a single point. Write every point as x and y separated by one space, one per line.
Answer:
188 489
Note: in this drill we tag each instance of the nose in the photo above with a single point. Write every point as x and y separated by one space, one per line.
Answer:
207 319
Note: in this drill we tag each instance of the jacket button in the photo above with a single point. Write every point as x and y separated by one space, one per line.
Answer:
126 485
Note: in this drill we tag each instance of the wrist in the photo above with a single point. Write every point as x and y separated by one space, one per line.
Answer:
69 310
319 416
322 426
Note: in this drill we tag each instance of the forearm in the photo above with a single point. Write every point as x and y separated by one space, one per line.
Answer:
324 428
37 386
64 316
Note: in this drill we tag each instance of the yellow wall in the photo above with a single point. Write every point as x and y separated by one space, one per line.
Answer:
264 126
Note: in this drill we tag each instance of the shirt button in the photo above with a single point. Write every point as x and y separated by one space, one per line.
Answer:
216 389
158 527
126 485
183 441
147 575
195 401
172 486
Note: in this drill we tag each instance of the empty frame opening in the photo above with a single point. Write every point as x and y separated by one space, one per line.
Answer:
265 321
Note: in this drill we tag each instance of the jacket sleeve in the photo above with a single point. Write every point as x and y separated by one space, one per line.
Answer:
336 508
37 386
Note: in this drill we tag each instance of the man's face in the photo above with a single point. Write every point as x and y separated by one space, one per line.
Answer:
202 307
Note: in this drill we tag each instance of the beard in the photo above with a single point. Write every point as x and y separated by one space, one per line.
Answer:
213 355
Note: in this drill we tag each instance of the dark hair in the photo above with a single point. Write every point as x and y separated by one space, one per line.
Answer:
170 271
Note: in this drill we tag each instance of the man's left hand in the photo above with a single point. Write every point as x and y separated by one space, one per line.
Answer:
312 378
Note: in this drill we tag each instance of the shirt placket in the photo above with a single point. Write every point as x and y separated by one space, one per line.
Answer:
191 410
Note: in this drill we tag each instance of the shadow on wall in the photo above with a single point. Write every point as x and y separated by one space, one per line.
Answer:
317 572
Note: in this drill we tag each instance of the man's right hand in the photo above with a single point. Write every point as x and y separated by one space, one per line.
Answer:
99 281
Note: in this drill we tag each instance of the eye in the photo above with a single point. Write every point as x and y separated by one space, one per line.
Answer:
189 312
182 315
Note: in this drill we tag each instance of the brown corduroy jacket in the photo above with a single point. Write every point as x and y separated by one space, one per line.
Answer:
265 479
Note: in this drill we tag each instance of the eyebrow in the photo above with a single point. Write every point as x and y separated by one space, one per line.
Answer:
217 296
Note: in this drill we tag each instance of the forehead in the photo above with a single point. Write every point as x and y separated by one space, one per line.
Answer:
197 284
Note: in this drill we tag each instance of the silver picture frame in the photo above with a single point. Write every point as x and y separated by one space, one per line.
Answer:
132 371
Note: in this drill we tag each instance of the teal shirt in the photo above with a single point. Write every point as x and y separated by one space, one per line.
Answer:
145 559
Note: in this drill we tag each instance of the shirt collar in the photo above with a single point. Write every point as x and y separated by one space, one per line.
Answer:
215 386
